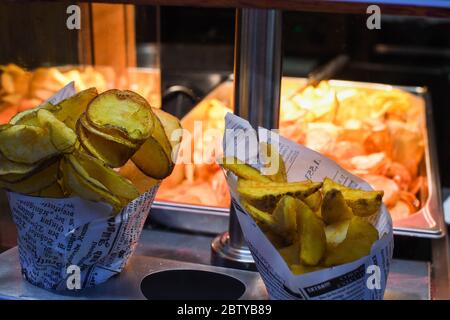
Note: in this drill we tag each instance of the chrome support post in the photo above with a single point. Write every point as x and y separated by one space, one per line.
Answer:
257 84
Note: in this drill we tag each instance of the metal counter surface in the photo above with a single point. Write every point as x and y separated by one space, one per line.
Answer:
163 249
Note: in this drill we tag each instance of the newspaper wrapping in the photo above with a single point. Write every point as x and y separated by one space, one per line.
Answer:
362 279
58 238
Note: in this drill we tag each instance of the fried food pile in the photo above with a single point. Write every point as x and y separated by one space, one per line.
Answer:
377 134
21 89
199 180
107 147
313 225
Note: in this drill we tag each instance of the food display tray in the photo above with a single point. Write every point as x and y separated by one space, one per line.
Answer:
428 222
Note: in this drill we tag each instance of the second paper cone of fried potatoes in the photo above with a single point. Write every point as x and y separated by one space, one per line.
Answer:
313 225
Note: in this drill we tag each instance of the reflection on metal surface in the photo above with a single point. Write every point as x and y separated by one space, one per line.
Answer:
407 280
124 286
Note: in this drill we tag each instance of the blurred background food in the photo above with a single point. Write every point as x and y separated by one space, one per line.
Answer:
21 89
377 134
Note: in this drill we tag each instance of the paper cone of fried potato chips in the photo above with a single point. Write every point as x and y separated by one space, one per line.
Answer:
315 230
80 192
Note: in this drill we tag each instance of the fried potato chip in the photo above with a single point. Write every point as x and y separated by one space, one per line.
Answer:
52 191
35 182
141 181
311 233
62 137
273 161
112 180
17 177
69 110
29 117
334 208
243 170
107 136
109 151
122 112
10 168
77 181
170 124
153 160
5 126
267 194
26 144
159 134
363 203
361 235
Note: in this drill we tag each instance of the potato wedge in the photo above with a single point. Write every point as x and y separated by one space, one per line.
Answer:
314 201
285 216
361 235
122 112
109 151
266 194
242 170
62 137
69 110
36 182
260 216
113 181
311 234
363 203
277 241
26 144
336 232
334 208
272 158
291 254
77 181
299 269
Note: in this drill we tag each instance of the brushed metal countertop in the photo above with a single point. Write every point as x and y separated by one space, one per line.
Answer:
164 249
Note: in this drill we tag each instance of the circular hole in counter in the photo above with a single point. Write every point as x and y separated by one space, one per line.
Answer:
191 285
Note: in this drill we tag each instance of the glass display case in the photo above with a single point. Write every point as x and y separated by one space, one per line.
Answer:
362 82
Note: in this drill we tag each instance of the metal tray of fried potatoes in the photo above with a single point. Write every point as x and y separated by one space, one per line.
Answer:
427 222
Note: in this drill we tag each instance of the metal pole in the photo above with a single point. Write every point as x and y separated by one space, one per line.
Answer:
257 83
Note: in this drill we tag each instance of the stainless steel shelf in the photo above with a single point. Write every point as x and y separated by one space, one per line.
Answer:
162 250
